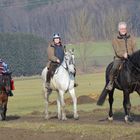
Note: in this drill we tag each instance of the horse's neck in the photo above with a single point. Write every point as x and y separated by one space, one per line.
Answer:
129 70
64 64
62 68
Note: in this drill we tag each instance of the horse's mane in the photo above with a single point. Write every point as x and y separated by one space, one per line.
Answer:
135 57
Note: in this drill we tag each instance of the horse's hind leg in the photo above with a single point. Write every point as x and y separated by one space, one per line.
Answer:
111 100
47 103
74 99
1 112
127 107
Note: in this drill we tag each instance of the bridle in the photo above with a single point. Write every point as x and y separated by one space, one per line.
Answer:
70 62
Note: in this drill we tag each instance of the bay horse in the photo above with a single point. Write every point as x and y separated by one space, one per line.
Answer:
5 88
128 80
62 81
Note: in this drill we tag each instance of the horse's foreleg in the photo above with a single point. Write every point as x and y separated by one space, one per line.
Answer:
61 94
111 100
74 99
4 112
59 107
127 106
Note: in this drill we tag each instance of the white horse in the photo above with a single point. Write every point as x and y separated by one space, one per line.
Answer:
62 81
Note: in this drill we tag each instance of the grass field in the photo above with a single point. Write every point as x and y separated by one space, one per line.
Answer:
95 53
28 96
101 48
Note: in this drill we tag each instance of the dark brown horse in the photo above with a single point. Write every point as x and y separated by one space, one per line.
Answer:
5 88
128 80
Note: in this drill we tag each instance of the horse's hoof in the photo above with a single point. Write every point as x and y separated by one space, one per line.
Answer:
76 117
64 119
110 119
128 119
59 117
46 117
1 118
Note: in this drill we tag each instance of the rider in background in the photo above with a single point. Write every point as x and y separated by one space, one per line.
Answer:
3 67
55 53
5 70
123 45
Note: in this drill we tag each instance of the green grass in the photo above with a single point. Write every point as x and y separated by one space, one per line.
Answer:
101 48
93 48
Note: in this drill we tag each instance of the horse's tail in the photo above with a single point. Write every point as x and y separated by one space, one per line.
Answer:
104 93
102 97
44 73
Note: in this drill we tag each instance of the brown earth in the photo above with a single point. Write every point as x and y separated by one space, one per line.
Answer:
17 134
84 99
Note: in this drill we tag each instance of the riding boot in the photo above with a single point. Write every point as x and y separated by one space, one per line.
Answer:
75 84
10 93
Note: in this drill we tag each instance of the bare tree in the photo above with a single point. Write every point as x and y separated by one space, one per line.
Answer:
81 31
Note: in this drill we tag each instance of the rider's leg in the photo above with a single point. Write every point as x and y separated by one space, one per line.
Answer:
116 64
50 74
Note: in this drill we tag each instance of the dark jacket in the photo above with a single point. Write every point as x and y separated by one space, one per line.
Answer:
55 52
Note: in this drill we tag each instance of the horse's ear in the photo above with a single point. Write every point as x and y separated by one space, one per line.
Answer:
65 49
72 49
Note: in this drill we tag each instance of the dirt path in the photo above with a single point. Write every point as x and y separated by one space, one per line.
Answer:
16 134
95 117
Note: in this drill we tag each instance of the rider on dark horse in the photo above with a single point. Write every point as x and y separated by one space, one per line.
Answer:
55 53
5 70
123 45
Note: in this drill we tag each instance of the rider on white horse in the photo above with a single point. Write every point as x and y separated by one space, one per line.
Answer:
62 82
55 53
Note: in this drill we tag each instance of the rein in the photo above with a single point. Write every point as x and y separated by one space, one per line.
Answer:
66 68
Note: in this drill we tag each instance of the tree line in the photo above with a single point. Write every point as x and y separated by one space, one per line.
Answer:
73 19
26 26
25 53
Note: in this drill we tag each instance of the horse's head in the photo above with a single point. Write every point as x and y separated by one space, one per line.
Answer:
69 60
